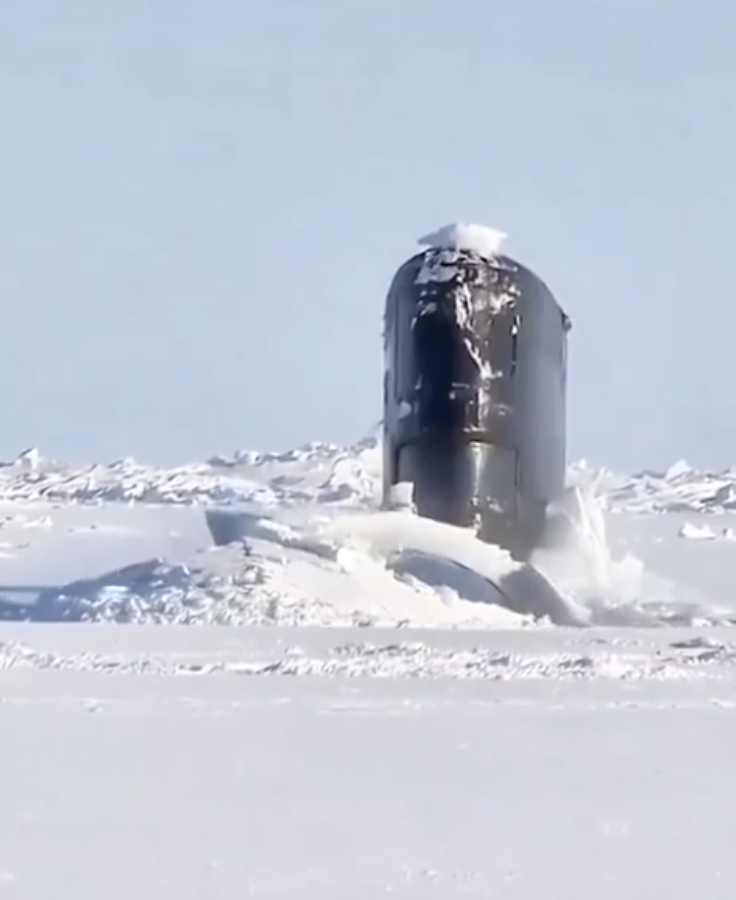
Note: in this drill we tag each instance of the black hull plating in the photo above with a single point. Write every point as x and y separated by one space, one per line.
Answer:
475 394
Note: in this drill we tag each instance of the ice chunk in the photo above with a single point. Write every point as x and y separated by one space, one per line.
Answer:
480 239
677 470
696 532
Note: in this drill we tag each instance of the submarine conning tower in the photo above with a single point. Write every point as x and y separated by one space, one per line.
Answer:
475 388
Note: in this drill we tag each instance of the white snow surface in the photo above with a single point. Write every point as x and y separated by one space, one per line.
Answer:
428 743
303 542
480 239
177 763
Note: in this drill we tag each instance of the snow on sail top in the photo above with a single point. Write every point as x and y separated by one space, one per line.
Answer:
480 239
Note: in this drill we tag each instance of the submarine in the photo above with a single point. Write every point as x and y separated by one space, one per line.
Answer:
475 388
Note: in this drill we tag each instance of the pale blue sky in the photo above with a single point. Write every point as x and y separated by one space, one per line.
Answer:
202 203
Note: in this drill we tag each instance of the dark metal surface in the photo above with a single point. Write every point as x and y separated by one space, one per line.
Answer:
475 393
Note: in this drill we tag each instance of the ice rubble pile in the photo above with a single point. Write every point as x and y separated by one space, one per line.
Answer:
155 592
319 473
680 488
316 472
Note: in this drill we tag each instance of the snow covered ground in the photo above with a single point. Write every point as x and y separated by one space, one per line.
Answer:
364 714
302 543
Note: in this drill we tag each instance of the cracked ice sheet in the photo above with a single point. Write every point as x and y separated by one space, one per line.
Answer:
122 783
